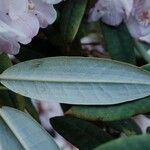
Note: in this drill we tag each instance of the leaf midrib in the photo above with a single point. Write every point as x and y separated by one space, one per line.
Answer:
83 81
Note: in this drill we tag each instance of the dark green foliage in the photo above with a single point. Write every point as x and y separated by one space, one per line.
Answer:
82 134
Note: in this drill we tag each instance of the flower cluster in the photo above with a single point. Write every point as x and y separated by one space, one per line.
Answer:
20 21
135 13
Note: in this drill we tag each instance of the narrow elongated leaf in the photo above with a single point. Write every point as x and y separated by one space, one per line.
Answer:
78 80
80 133
140 142
71 18
23 131
111 113
119 43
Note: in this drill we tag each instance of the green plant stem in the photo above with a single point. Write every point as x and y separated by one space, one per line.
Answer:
142 51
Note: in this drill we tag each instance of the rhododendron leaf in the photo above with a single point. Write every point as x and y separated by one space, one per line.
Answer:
71 18
82 134
21 132
78 80
119 43
111 113
135 143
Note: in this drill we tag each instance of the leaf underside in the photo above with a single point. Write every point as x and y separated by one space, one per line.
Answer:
78 80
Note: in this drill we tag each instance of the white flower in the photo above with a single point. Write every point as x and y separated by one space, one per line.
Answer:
21 30
143 122
135 13
45 12
139 21
111 12
20 21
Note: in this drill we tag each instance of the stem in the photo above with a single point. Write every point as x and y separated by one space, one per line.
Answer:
142 51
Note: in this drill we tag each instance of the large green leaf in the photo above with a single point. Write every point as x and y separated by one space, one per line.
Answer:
18 131
72 15
119 43
132 143
111 113
78 80
82 134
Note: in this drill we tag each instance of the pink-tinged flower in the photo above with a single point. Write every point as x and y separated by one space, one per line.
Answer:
139 20
44 11
20 30
20 21
145 38
111 12
135 13
143 122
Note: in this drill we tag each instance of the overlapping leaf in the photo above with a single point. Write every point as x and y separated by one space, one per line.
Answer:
111 113
132 143
78 80
71 18
80 133
119 43
20 132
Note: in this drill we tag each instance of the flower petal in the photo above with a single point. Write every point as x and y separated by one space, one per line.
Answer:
111 12
27 26
3 6
9 45
45 13
17 8
137 30
127 5
145 38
